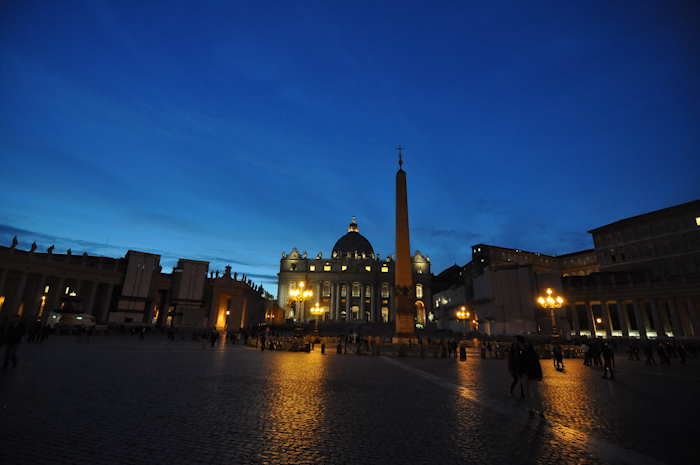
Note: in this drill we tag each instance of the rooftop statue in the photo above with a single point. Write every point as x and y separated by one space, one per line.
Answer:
14 242
34 246
50 249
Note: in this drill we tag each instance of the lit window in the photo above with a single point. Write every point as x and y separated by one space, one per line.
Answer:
697 220
385 268
368 268
343 268
368 291
385 314
356 289
343 291
419 291
385 290
327 267
312 267
46 289
67 290
2 301
355 312
326 289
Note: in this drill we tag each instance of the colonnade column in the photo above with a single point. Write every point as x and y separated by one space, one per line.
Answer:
348 296
641 321
575 325
679 329
106 300
3 278
694 314
32 310
591 318
19 295
91 300
623 317
361 311
658 322
608 319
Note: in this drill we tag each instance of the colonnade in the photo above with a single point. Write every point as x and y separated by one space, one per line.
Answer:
654 317
35 294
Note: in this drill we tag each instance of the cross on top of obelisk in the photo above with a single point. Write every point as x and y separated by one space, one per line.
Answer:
400 149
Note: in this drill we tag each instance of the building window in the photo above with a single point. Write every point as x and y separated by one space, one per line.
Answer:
419 291
368 268
327 267
385 268
356 289
385 314
368 291
326 289
697 220
344 268
355 311
343 291
312 267
292 286
385 290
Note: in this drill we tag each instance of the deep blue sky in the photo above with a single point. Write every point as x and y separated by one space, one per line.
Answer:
231 131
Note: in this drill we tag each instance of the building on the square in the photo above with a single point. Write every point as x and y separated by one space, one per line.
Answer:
131 290
649 280
353 284
642 279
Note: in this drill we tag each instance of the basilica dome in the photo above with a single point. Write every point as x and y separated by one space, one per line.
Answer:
352 242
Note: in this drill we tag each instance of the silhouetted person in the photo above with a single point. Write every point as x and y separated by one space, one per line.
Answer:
608 361
558 357
682 353
649 354
515 363
662 350
532 372
13 337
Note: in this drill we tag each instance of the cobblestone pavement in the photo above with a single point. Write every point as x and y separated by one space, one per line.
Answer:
125 401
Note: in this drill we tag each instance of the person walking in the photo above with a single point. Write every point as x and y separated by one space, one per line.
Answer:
649 354
515 366
532 373
558 357
13 337
608 361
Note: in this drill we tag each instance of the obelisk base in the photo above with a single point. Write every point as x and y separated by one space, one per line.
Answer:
405 325
405 329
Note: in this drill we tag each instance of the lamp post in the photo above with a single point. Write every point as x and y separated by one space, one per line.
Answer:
300 294
317 311
463 315
551 302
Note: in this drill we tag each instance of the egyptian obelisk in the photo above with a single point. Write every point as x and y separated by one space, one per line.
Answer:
403 276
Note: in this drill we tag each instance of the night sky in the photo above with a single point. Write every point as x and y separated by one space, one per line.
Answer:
230 132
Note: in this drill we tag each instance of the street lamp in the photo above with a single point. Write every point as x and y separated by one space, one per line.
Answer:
317 311
299 295
463 315
551 302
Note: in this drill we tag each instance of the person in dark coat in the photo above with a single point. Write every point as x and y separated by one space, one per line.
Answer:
608 361
532 372
515 366
13 336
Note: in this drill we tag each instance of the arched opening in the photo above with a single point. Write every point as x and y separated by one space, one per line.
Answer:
420 313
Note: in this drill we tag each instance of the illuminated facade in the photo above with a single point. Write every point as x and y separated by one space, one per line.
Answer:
131 290
354 284
641 280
